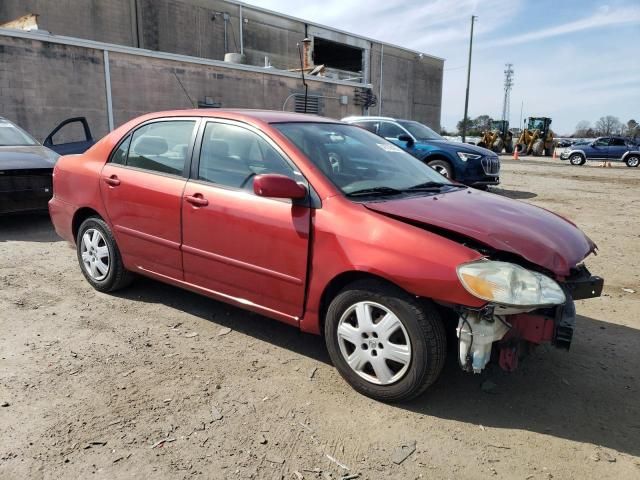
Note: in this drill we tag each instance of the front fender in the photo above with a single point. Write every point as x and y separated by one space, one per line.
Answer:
348 237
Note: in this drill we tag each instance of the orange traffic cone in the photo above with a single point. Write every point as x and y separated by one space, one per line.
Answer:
515 153
554 153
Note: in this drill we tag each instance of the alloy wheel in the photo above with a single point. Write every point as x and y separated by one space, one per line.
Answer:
95 254
374 343
441 170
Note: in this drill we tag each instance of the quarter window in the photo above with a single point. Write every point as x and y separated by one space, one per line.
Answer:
232 156
120 155
160 146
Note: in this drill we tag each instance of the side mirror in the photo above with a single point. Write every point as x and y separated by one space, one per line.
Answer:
278 186
406 138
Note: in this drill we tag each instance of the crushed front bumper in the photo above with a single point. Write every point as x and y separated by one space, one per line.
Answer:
516 334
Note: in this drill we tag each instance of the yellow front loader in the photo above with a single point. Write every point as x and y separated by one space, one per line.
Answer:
537 139
499 138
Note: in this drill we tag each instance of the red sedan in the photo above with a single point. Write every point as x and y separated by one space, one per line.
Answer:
329 228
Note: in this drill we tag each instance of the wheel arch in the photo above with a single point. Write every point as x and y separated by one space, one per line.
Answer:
80 216
339 282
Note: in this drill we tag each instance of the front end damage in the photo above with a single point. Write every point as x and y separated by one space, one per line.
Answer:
509 333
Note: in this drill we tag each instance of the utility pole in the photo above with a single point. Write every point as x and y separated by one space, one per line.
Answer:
466 100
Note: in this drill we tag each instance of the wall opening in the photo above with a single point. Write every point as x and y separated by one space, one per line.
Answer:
340 60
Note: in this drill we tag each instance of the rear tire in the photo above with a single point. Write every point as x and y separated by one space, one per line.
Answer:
577 159
632 160
417 340
442 167
508 147
521 148
99 256
549 151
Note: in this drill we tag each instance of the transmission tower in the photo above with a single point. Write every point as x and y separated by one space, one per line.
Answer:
508 84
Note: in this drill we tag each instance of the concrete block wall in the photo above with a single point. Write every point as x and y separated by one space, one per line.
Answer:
412 85
108 21
43 83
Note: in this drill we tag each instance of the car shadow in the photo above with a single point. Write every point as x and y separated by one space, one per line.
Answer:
514 194
586 395
34 227
225 315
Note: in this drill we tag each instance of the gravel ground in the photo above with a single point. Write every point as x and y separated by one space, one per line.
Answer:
156 382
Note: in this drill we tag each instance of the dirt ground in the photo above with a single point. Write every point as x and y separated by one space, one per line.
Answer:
95 382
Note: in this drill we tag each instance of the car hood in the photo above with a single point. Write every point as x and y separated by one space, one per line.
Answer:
29 157
537 235
461 147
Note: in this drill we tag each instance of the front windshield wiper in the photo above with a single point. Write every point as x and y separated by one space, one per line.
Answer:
429 186
375 191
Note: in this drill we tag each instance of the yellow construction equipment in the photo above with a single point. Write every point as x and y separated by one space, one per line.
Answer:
499 138
537 139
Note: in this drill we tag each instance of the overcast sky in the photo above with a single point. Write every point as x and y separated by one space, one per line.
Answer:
573 60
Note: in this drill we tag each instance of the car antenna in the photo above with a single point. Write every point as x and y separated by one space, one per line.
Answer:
184 89
304 82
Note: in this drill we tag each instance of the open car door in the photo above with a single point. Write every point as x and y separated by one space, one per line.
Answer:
77 129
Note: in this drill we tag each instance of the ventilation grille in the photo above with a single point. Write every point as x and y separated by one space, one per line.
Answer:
313 104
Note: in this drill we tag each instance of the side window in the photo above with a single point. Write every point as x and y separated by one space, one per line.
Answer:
617 142
601 142
120 155
371 126
390 130
231 155
161 146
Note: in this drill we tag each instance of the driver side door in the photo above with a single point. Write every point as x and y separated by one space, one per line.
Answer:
599 149
391 131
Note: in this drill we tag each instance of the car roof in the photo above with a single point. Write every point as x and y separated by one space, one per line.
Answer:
357 118
245 114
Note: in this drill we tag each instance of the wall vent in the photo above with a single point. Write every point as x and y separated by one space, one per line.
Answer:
313 104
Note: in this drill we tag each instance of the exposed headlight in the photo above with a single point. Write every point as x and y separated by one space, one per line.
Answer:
509 284
468 156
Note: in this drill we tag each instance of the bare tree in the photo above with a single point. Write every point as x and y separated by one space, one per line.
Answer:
582 128
633 128
608 125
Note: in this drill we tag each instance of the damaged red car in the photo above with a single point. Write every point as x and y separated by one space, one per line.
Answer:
332 229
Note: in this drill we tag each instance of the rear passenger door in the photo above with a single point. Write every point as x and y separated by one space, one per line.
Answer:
142 186
237 245
617 148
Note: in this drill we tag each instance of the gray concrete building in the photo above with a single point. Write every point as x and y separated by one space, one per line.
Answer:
111 60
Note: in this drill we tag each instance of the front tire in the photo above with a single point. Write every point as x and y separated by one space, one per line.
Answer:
538 148
576 159
99 257
384 342
632 160
442 167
